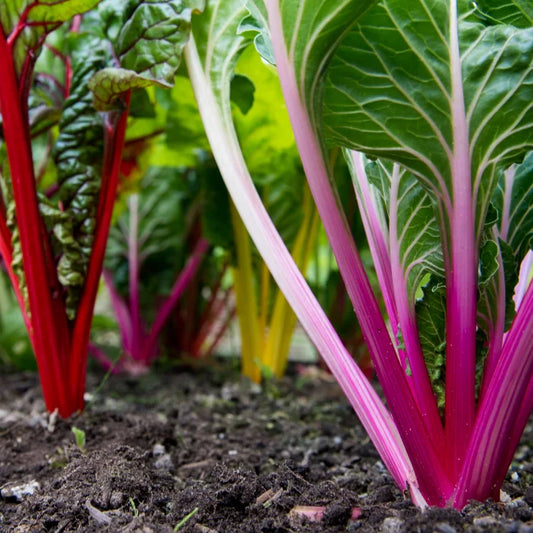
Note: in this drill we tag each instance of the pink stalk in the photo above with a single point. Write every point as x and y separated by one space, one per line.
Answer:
502 414
121 311
370 409
461 276
421 446
376 234
180 285
496 334
137 329
413 354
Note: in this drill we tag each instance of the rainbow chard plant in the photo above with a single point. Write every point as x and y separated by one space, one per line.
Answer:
438 97
53 244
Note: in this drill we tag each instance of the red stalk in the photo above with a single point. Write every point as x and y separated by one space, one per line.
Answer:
48 319
115 135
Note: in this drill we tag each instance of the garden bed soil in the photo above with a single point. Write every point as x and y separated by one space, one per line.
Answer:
208 452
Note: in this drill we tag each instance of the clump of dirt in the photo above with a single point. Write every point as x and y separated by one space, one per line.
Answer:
208 452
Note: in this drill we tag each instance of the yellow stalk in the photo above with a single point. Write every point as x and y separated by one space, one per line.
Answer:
283 319
245 300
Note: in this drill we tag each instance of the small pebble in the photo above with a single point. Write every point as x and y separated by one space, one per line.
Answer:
17 492
158 450
164 462
392 524
445 528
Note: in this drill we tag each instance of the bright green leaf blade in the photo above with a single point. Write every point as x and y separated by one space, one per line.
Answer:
153 35
53 11
518 13
390 94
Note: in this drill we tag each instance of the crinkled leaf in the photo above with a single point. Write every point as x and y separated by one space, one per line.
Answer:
42 17
519 13
431 318
153 35
78 154
393 74
110 83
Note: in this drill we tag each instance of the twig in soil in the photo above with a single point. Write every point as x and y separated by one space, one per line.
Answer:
268 497
315 513
184 520
205 529
98 516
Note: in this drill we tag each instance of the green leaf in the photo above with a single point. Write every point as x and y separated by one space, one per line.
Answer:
417 231
389 94
160 207
110 83
41 18
431 318
78 154
153 35
518 13
513 198
54 11
255 26
242 93
312 30
217 226
488 262
219 46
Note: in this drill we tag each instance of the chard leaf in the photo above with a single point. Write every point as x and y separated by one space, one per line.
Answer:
242 92
78 155
148 48
153 35
54 11
488 262
404 73
513 198
312 30
431 317
110 83
256 26
518 13
40 18
158 210
413 226
512 201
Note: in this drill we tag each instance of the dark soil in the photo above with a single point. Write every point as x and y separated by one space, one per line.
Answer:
200 452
